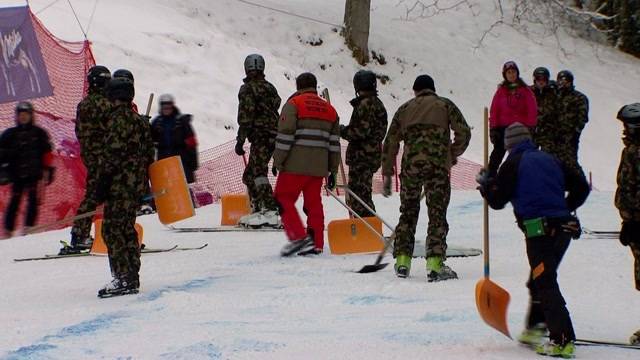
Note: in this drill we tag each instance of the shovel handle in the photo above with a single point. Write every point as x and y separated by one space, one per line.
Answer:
366 206
485 206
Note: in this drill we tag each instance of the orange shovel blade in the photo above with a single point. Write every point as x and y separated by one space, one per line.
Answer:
492 302
352 236
100 248
234 206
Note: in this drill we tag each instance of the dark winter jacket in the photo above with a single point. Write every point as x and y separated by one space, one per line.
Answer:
25 151
535 183
173 135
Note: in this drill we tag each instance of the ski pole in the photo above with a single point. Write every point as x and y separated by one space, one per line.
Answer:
39 228
366 206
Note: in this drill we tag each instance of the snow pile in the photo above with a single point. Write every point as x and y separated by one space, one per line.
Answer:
195 49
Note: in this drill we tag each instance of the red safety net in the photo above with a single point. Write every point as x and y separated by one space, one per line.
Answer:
67 64
221 173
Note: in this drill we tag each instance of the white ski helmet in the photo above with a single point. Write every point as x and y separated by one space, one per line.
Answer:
166 99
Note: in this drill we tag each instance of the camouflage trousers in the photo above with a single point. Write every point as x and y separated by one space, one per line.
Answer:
255 175
119 234
437 187
360 182
635 250
82 227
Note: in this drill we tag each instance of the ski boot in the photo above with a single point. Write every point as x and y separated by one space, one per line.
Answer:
534 336
77 245
311 252
550 348
261 219
145 210
118 287
438 271
403 266
635 338
294 247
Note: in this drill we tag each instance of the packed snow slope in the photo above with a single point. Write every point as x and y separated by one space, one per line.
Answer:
237 299
195 49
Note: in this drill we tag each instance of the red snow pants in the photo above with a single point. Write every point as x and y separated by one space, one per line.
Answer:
288 189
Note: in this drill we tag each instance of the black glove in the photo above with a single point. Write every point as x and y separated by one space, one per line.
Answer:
629 232
4 175
274 171
49 173
573 227
146 118
386 186
482 178
240 146
331 181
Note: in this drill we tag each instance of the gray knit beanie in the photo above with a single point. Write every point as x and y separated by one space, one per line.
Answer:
515 134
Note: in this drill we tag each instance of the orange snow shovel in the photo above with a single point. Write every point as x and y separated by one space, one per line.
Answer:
235 206
100 248
354 236
492 300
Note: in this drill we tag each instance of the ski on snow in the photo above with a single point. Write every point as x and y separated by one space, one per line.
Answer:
222 229
84 254
589 342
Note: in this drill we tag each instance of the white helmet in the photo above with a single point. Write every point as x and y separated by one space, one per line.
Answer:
166 99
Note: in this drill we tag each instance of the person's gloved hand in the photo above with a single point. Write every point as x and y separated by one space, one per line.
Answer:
274 170
240 146
386 186
482 178
146 118
49 174
629 232
331 181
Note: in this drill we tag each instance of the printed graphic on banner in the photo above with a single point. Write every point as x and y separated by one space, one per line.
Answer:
23 74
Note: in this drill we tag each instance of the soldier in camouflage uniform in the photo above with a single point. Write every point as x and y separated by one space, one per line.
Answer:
258 122
547 99
628 192
128 154
424 124
573 115
365 134
91 122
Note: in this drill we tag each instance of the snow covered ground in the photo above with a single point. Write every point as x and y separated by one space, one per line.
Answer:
237 299
195 49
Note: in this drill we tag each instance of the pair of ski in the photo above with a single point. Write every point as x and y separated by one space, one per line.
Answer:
589 342
223 229
601 234
87 253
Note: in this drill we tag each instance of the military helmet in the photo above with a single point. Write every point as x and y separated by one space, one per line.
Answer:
565 74
365 80
98 76
254 62
120 89
24 106
630 114
541 72
123 73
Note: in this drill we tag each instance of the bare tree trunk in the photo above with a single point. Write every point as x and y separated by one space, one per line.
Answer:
357 19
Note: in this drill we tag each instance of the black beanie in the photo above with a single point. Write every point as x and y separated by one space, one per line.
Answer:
424 82
306 81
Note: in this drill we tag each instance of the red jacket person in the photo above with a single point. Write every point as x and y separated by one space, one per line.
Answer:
307 151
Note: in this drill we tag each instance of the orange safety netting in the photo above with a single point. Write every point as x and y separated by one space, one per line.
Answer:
67 64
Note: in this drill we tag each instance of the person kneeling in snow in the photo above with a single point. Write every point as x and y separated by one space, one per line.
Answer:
307 151
123 182
627 199
535 183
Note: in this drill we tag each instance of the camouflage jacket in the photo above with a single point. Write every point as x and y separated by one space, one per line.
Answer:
366 131
547 100
129 151
424 124
628 193
573 115
91 123
258 109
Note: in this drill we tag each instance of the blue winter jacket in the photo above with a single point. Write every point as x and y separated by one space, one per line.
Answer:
535 183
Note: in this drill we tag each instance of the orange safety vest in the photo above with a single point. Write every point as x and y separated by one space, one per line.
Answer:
312 106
